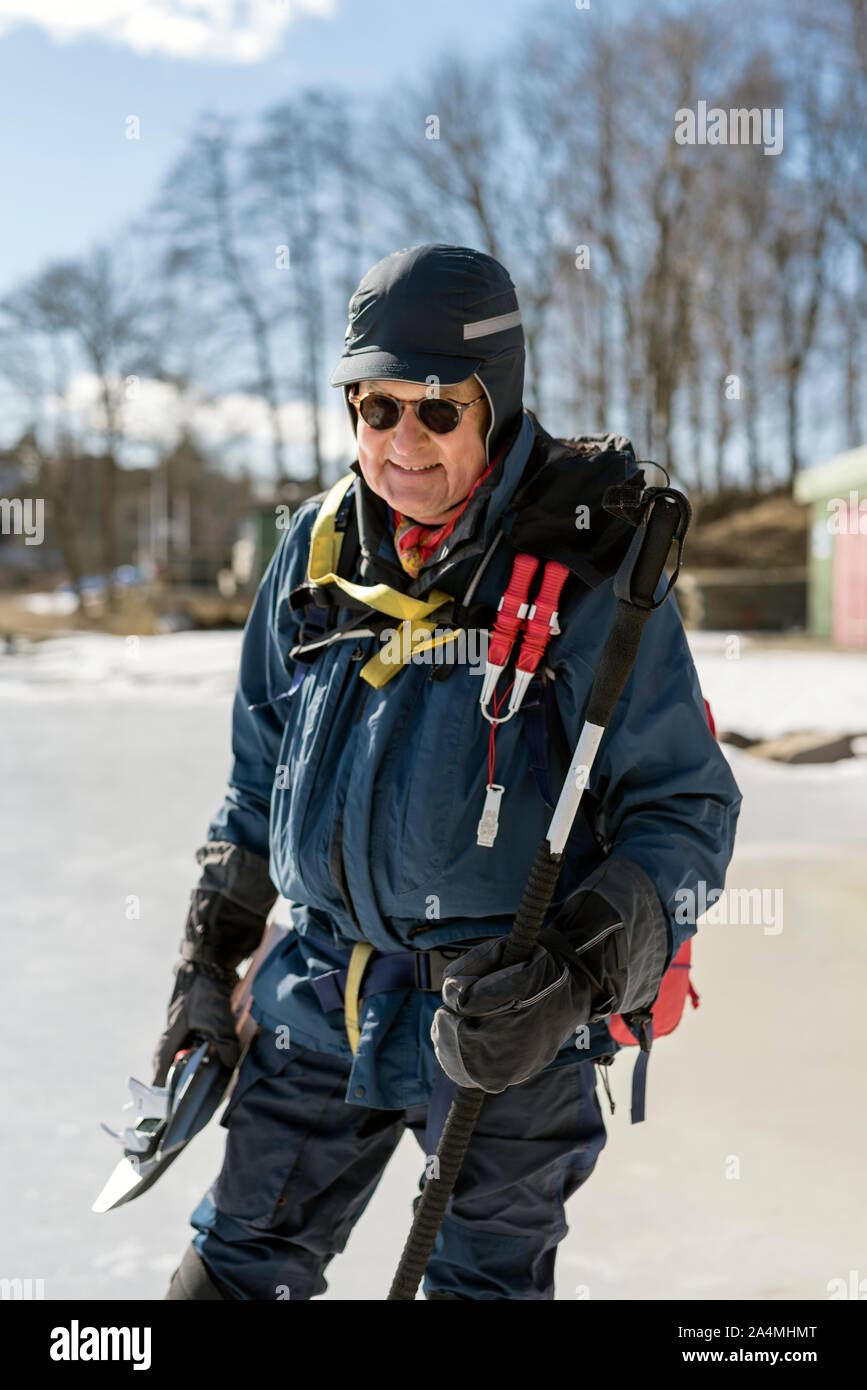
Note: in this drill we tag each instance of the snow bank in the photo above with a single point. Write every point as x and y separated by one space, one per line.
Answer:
761 692
765 692
182 665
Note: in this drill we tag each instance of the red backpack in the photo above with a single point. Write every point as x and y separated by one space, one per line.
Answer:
664 1014
667 1011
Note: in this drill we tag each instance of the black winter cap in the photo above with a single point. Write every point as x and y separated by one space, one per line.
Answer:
438 311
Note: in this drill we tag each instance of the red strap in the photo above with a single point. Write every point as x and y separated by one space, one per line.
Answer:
508 624
539 626
492 750
711 724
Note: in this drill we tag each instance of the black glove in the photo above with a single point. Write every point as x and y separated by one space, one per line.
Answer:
200 1004
604 951
588 935
498 1026
614 933
225 924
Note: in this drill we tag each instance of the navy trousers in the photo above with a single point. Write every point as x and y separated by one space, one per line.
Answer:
301 1164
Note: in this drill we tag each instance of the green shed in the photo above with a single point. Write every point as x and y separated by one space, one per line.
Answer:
836 492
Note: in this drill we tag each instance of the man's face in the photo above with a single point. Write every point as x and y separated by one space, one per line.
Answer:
394 463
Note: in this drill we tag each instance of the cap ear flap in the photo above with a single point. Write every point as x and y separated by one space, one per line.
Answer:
493 417
350 390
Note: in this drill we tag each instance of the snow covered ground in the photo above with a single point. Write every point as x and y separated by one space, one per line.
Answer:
745 1181
758 690
185 666
764 691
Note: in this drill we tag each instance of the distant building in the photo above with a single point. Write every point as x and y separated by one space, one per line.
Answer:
263 527
746 565
836 492
178 520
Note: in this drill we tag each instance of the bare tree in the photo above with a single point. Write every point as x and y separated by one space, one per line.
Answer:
850 314
799 252
88 313
704 263
198 213
300 174
471 159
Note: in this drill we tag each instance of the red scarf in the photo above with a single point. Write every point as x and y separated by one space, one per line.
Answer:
415 543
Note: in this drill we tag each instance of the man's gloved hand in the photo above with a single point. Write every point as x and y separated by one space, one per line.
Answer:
498 1026
604 951
226 921
613 930
200 1003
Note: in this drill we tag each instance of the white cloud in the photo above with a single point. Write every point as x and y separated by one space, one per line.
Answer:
156 413
233 31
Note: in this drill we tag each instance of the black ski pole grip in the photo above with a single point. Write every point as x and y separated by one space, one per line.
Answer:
660 530
621 645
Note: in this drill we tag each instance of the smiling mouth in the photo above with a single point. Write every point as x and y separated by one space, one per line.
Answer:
425 467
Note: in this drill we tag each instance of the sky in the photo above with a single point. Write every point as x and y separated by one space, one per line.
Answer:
72 71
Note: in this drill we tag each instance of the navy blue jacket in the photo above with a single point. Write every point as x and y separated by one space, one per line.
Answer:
383 789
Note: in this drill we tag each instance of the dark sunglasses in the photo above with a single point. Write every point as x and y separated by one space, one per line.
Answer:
383 412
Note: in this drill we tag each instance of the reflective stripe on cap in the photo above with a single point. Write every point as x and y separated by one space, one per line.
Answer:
483 327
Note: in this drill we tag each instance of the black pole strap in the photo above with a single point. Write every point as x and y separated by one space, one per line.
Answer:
665 519
663 516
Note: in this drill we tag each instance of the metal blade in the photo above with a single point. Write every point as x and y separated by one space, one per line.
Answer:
119 1188
128 1181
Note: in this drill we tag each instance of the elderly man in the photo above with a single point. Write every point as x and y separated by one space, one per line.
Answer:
399 813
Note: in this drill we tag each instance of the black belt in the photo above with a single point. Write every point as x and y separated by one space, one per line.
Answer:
388 970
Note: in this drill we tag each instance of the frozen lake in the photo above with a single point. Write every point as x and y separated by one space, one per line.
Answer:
746 1180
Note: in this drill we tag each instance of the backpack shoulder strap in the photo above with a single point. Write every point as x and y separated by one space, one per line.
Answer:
333 542
326 538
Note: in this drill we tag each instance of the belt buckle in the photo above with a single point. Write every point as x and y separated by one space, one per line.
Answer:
430 976
438 968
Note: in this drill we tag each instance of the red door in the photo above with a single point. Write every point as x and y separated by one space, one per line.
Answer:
850 588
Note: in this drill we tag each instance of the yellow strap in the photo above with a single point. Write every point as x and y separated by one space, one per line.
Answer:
385 599
379 670
440 641
361 953
325 543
